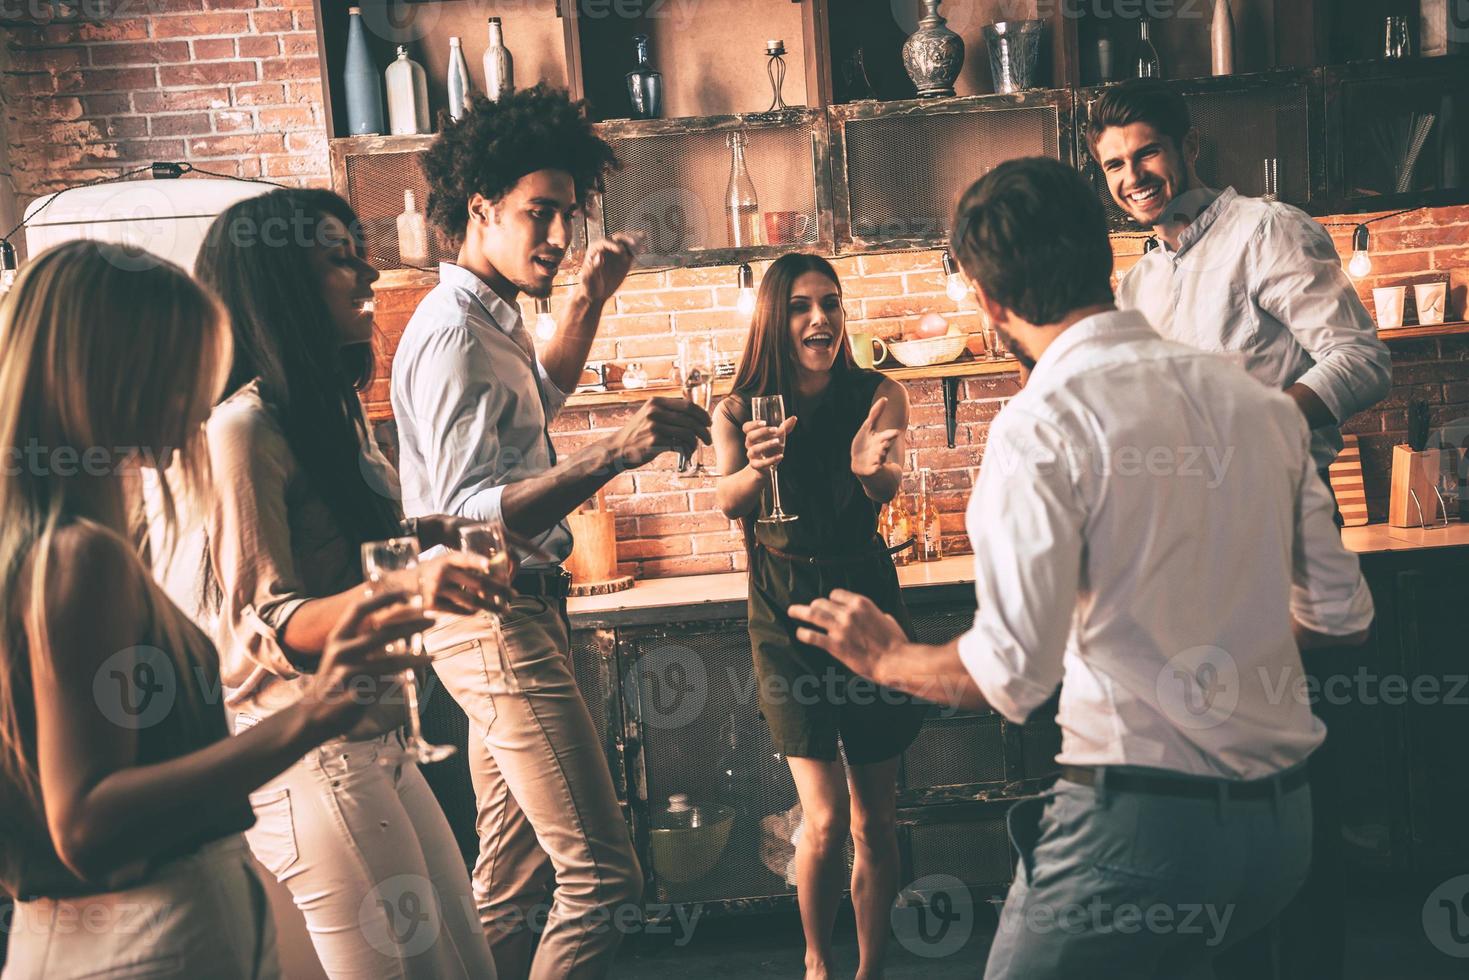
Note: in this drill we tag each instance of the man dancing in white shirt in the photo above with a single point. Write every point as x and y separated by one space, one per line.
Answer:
1149 528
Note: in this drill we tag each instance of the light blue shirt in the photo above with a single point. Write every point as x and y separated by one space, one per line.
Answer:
1262 283
472 403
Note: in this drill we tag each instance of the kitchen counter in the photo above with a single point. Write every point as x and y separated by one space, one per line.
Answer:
694 598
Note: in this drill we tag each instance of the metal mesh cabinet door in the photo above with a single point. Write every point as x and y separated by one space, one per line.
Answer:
674 179
697 729
900 168
1243 121
372 172
966 841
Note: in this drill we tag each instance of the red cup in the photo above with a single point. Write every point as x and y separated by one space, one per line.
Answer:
785 227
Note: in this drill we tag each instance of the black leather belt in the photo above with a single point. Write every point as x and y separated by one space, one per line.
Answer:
881 552
1162 784
554 584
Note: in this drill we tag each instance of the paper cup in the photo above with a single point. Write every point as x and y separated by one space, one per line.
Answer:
1389 303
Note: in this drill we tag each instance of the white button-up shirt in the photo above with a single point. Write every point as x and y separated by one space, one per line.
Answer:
1146 521
1262 283
472 405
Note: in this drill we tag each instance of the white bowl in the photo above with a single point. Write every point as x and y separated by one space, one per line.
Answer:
928 350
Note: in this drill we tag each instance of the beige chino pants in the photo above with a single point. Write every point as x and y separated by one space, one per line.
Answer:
548 820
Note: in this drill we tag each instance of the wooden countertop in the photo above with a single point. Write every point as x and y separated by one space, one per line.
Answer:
697 597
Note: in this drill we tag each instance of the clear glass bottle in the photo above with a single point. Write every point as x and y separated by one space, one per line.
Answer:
499 66
930 533
742 208
1148 65
412 233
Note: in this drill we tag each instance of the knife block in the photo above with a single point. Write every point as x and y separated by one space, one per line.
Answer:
1414 475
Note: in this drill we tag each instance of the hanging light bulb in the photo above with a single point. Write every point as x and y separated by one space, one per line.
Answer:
545 323
954 284
1361 263
7 265
745 278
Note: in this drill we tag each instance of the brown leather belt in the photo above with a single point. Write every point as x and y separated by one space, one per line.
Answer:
1193 787
841 560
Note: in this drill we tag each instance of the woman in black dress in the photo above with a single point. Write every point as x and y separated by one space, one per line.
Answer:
839 452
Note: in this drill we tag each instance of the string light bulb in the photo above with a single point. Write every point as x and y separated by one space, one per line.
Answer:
7 265
745 279
545 323
954 285
1361 264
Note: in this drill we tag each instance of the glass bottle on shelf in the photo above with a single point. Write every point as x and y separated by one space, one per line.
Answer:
644 84
460 87
1148 65
407 96
895 525
930 543
742 208
363 84
412 232
499 66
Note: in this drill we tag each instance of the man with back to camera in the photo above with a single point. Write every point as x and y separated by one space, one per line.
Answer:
1153 536
1262 283
473 401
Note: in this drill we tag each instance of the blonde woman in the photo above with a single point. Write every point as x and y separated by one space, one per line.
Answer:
121 799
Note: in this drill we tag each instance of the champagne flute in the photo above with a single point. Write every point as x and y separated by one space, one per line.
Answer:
386 565
771 410
696 367
487 539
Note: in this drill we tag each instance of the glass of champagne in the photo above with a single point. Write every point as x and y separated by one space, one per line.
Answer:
771 410
696 367
394 564
487 539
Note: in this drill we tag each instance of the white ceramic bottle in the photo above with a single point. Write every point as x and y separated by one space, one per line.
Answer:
407 96
460 87
1221 39
499 66
412 233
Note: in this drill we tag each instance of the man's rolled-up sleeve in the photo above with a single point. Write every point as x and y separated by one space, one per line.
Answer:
1025 522
1328 593
1300 282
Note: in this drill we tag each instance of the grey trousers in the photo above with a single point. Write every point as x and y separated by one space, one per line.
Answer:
550 828
1139 885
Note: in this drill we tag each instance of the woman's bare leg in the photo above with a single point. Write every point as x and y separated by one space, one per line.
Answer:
820 856
875 866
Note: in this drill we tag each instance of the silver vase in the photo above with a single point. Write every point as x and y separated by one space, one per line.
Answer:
1015 53
933 54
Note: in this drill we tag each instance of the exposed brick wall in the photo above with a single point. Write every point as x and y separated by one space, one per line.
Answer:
231 86
669 526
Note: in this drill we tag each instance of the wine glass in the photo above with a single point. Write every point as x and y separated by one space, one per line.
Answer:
771 410
487 539
394 564
696 367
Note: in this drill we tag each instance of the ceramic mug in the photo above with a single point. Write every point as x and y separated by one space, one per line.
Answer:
785 227
862 350
1389 302
1430 297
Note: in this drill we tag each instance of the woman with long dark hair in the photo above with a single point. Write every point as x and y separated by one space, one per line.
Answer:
839 451
352 830
121 798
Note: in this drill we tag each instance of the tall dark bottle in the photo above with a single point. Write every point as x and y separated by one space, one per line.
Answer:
363 84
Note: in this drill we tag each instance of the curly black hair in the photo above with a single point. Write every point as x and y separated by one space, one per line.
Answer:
497 143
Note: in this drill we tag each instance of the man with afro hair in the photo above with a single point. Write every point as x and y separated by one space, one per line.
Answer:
473 399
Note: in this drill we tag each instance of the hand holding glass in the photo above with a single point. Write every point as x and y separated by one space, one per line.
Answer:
394 564
487 539
770 410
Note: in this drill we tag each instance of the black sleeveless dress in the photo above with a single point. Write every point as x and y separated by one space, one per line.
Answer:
808 697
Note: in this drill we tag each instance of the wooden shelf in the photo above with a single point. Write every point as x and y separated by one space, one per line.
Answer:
955 369
1457 329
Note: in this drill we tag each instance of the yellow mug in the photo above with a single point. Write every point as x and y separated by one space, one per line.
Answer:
862 353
